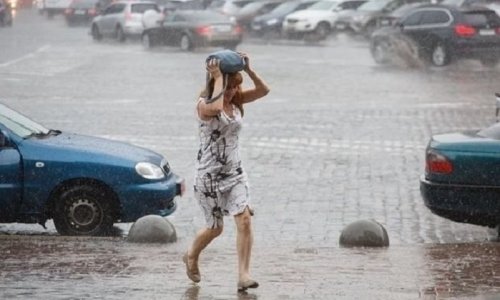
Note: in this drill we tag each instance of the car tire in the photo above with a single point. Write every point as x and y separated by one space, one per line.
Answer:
96 34
186 44
439 55
83 210
322 30
380 51
120 35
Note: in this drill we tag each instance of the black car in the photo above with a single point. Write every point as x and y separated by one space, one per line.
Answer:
443 33
191 29
388 19
272 21
81 11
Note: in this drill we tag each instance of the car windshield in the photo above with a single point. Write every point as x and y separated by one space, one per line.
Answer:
323 5
19 124
492 132
142 7
284 8
254 6
374 5
482 18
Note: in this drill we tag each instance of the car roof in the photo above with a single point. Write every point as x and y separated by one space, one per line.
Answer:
455 8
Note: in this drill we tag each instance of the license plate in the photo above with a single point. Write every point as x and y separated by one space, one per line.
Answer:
222 28
79 12
487 32
256 27
340 26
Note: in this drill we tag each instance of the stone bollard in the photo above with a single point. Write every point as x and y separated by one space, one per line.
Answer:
364 233
152 229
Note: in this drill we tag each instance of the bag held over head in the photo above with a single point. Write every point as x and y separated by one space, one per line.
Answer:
229 62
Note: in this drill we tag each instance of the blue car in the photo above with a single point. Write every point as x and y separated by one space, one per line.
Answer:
462 176
84 183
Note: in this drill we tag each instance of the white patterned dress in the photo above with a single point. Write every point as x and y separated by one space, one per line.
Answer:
221 185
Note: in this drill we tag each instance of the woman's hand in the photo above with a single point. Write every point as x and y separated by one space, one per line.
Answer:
213 68
247 61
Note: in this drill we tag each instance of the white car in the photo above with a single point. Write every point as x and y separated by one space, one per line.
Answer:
121 20
318 18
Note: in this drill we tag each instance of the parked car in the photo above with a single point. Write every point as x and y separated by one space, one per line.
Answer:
190 29
6 15
443 33
389 19
81 12
272 21
462 178
364 20
228 7
318 18
247 13
84 183
121 20
55 7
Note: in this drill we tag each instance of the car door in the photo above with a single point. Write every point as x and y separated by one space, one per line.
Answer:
432 26
410 25
11 183
175 27
111 15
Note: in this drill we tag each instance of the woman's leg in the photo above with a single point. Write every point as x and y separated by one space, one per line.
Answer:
244 241
201 241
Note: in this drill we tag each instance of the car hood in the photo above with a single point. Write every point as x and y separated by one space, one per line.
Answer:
80 147
467 141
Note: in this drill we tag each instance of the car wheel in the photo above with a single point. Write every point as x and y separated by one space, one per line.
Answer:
380 51
322 30
186 43
439 55
120 35
83 210
96 34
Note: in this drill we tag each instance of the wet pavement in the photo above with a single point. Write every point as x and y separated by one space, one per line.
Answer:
48 267
338 139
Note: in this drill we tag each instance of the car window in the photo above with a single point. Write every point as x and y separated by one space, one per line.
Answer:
413 19
323 5
351 4
140 8
115 8
492 132
482 18
434 17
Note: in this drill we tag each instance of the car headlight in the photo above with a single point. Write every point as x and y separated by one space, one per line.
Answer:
272 22
149 170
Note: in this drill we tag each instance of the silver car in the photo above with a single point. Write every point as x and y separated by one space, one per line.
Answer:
121 20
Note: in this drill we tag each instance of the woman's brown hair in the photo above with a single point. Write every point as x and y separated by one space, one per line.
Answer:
233 79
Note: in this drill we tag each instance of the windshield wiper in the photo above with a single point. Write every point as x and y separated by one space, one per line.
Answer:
41 134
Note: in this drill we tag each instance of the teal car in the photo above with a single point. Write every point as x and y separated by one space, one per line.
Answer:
462 176
85 184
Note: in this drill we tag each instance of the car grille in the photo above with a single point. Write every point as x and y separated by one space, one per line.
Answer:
292 21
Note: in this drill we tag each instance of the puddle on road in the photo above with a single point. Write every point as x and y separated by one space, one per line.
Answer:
85 267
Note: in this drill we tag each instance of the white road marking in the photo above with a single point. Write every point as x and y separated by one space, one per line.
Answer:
24 57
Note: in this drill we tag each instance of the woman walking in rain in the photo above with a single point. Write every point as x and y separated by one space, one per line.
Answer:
221 186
